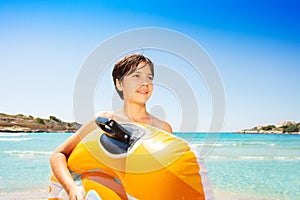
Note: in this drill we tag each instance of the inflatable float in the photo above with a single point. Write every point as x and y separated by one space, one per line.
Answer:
134 161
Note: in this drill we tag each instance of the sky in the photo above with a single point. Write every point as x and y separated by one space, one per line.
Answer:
255 46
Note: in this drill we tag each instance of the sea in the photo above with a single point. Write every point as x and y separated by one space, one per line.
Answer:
252 166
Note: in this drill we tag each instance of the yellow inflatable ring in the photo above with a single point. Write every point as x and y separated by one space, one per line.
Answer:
154 165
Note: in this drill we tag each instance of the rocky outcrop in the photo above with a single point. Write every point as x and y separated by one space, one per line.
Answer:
23 123
285 127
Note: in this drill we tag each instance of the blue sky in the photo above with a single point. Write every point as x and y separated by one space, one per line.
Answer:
254 45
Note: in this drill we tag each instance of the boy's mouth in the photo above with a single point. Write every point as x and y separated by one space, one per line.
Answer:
142 91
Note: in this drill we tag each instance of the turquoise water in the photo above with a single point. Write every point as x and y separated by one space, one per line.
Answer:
262 166
24 159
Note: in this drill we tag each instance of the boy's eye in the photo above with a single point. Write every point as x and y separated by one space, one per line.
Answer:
138 76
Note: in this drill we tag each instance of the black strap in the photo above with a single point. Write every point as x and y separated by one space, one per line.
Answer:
114 130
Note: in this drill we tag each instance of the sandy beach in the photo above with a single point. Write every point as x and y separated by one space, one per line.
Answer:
41 194
30 195
224 195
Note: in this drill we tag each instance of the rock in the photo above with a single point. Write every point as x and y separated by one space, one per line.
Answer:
22 123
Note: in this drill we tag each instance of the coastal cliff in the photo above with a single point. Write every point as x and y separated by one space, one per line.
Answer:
285 127
23 123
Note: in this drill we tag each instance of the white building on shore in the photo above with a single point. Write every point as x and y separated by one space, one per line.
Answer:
284 123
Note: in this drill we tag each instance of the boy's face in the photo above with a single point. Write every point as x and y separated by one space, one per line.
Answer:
137 87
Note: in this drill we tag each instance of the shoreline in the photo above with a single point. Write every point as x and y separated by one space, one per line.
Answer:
39 194
28 124
284 127
266 133
36 194
228 195
73 131
42 194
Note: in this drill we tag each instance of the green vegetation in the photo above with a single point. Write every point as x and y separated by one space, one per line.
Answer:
291 128
40 120
55 119
268 128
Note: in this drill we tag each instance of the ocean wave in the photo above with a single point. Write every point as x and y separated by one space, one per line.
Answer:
282 158
209 145
15 139
13 134
236 145
27 153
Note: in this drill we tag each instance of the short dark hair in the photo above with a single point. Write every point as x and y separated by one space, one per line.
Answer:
128 65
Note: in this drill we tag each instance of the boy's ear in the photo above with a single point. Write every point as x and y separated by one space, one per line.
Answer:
119 85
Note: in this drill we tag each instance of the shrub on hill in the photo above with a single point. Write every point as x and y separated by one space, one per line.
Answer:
290 128
268 128
55 119
40 120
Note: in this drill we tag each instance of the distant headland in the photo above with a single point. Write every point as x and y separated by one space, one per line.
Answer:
285 127
23 123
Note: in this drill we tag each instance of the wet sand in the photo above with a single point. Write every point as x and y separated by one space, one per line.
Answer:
42 195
